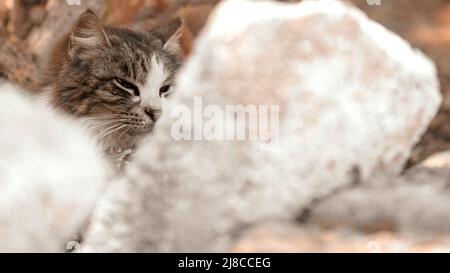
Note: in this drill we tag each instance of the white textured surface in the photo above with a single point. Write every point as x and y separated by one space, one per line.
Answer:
51 174
352 96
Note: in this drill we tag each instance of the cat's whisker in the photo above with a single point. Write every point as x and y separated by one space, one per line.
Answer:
103 123
98 125
114 130
111 130
124 132
102 127
105 131
103 117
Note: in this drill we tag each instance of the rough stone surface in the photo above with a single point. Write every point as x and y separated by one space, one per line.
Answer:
51 175
416 203
353 97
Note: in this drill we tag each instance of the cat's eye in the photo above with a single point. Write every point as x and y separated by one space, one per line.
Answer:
164 90
126 86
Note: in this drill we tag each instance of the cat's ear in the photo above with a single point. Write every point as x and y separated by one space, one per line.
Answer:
87 33
169 35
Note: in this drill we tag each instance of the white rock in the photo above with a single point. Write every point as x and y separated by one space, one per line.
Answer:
416 203
440 160
353 97
51 175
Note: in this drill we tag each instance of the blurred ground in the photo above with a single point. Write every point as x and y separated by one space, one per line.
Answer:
286 237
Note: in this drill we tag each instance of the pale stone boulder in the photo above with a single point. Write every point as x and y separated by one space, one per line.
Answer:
353 99
416 203
51 175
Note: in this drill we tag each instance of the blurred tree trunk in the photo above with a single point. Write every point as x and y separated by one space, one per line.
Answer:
16 20
17 65
27 14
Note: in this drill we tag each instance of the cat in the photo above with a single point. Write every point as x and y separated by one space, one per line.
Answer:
114 79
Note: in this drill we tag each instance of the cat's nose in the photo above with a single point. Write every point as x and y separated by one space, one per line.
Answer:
153 114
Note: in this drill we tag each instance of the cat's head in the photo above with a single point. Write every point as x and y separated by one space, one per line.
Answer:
114 77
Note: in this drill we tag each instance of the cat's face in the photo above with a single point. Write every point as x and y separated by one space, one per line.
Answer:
116 78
